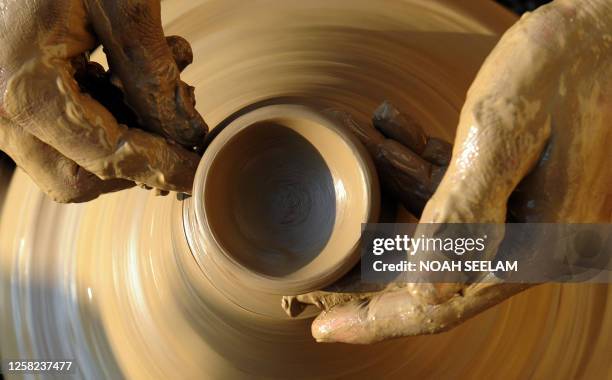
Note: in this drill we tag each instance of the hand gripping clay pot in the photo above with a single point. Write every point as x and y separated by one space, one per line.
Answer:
120 285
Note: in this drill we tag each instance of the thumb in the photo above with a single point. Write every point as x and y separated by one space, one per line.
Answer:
504 125
400 313
138 53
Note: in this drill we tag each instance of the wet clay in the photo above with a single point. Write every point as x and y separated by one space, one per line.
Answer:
280 197
516 131
139 305
69 143
410 164
555 100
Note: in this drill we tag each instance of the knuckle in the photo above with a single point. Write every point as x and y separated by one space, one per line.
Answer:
25 91
70 195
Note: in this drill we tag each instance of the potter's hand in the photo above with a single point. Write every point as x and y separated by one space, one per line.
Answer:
541 104
409 163
77 145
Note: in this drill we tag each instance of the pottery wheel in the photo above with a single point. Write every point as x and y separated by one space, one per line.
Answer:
113 284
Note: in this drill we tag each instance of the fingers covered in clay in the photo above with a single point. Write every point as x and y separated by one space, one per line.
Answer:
505 125
346 289
80 128
399 313
369 137
399 127
139 54
324 300
410 164
62 179
405 174
181 51
437 151
108 90
403 128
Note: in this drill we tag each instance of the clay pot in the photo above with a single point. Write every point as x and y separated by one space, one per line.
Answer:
279 199
121 285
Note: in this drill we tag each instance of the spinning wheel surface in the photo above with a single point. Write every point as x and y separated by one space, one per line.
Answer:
113 283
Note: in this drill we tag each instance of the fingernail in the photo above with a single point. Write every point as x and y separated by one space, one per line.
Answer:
329 328
321 331
437 151
399 127
327 334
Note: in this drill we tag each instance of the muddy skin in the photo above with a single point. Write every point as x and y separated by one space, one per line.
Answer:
409 175
66 139
517 131
151 313
280 197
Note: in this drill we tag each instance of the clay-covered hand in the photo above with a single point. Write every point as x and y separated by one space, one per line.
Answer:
79 131
533 143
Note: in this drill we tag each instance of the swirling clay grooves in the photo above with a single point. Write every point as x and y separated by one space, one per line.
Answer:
113 284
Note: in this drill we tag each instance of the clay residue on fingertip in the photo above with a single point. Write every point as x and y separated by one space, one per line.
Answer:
400 127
